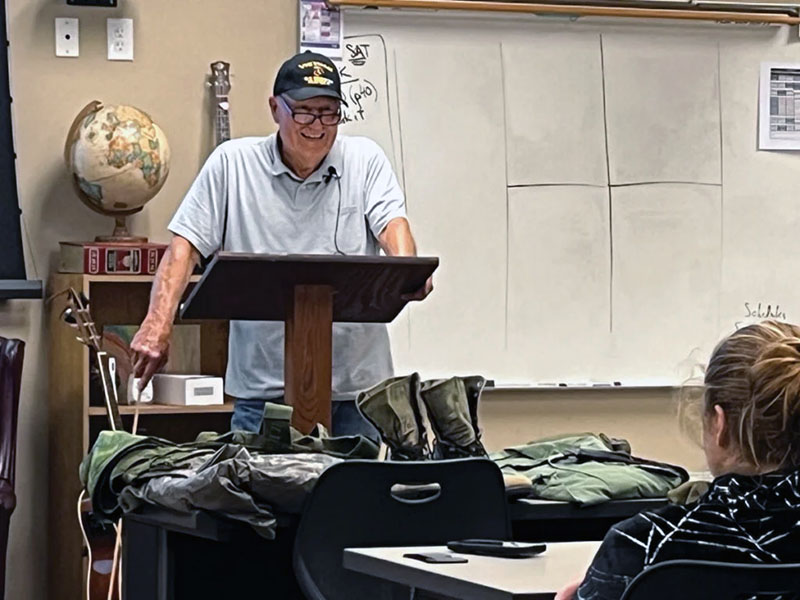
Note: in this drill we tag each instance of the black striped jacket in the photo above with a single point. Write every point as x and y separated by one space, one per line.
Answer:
753 519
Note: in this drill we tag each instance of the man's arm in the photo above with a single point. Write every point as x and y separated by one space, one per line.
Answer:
396 240
150 345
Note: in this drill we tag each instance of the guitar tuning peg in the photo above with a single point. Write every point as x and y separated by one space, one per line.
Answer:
68 317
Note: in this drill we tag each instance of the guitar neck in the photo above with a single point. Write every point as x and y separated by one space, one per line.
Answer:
106 365
109 390
222 121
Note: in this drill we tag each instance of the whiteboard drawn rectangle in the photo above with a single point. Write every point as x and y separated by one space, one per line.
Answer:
558 282
554 109
454 162
667 253
779 107
320 28
662 98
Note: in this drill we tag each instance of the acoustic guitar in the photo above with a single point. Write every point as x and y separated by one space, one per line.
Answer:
99 538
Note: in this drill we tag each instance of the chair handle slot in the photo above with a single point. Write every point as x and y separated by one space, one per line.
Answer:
416 493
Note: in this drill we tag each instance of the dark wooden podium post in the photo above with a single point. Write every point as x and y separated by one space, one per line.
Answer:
309 293
307 358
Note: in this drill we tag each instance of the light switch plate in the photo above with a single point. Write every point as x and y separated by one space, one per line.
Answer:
120 39
67 38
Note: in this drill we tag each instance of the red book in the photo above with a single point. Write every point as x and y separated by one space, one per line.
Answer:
108 258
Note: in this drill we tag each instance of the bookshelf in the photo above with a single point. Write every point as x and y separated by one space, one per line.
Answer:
76 416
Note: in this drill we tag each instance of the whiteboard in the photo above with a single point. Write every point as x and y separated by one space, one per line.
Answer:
593 190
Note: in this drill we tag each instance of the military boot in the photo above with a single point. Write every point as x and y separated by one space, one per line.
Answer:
474 385
393 407
452 406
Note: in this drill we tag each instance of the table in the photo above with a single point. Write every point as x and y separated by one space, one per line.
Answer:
198 556
482 577
170 556
535 520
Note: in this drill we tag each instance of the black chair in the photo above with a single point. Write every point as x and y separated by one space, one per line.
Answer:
701 580
11 355
369 503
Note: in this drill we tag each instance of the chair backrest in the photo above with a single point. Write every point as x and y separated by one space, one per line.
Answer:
371 503
11 355
700 580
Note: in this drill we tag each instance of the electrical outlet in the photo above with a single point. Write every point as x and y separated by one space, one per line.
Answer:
67 38
120 39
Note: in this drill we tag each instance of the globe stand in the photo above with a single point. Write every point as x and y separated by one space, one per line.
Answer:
121 234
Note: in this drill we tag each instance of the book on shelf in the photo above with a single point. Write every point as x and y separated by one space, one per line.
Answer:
107 258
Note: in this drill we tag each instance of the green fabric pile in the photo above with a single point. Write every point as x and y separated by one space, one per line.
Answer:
243 476
588 469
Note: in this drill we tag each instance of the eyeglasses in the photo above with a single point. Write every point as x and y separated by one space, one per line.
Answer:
307 118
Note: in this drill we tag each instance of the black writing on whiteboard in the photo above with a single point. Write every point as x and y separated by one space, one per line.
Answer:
755 311
358 54
361 94
346 77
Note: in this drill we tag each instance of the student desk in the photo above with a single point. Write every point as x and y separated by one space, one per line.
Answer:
169 556
482 577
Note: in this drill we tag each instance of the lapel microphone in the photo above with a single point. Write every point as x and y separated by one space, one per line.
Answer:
331 174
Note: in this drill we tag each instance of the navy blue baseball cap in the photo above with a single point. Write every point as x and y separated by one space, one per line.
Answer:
307 75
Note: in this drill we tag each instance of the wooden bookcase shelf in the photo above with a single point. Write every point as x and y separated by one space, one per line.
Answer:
162 409
74 424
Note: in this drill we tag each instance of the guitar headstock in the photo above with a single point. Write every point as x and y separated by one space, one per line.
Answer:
220 78
77 315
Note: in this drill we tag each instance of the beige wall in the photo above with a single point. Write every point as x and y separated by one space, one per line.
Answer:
175 41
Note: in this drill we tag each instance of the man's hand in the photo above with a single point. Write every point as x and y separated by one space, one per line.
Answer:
150 348
421 293
150 345
396 240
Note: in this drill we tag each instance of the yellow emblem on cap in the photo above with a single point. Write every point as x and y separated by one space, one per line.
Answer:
319 67
317 80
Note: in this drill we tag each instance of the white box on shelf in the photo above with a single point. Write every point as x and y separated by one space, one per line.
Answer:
187 390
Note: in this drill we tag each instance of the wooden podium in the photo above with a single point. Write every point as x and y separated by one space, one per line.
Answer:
308 293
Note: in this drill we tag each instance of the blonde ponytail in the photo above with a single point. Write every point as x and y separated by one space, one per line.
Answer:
754 375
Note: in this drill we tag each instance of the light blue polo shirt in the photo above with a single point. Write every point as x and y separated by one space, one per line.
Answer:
270 210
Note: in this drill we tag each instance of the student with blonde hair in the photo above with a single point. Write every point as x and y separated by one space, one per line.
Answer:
751 439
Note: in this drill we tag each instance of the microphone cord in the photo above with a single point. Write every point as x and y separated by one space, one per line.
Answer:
332 173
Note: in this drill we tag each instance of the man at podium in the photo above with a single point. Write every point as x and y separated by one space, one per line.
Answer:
303 190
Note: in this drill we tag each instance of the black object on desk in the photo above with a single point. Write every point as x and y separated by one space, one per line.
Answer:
499 548
436 557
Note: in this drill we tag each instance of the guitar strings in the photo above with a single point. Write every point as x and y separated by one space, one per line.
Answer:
117 559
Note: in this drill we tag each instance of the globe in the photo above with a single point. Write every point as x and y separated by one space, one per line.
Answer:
119 160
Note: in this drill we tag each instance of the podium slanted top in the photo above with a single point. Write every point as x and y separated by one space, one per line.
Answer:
259 287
